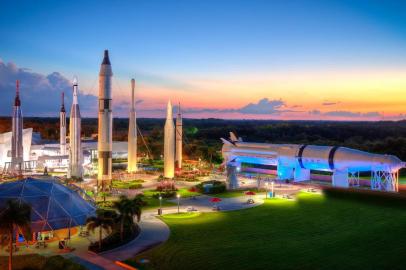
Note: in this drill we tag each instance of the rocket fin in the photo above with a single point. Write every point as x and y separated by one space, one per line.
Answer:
225 141
233 138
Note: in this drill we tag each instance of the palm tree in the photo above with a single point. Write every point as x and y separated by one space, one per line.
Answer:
127 209
122 206
14 216
104 220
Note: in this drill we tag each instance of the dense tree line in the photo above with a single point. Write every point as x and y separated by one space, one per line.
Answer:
202 136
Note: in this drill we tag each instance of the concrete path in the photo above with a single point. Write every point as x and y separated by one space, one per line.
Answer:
153 232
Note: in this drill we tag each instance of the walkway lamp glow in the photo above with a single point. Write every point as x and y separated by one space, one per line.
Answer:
266 190
178 196
160 205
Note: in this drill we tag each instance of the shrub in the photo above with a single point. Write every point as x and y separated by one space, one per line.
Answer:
218 187
166 186
59 262
113 240
165 194
134 186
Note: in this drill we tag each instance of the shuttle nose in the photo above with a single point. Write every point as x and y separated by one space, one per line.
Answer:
394 162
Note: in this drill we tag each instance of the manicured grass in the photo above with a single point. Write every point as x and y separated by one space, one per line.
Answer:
154 203
182 215
185 193
233 194
313 232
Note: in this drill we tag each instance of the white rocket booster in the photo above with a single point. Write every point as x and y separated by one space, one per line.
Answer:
62 128
17 158
75 146
178 157
169 144
132 134
105 131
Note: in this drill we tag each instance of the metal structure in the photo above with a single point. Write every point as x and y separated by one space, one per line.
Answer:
62 128
105 130
178 143
75 149
294 162
17 156
132 134
169 144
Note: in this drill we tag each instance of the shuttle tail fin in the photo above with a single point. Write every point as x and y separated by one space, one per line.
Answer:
234 138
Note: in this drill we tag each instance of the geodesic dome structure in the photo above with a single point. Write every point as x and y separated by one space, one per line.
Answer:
54 206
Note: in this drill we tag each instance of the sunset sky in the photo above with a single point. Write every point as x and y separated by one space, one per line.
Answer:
248 59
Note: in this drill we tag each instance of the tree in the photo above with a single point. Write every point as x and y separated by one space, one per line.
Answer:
15 216
127 209
104 220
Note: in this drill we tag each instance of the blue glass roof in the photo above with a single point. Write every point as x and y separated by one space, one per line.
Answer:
54 206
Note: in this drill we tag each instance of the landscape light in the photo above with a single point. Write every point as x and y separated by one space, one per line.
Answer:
178 196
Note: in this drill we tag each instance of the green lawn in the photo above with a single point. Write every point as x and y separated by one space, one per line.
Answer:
313 232
154 203
233 193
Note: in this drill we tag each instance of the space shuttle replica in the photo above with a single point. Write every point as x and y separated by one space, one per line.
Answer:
169 144
178 144
105 130
132 134
17 157
75 146
62 128
294 162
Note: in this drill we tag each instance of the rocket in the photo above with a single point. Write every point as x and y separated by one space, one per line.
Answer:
105 131
17 158
178 135
75 149
169 144
62 128
132 134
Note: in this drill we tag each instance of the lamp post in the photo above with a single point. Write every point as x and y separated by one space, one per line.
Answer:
266 190
178 196
273 195
160 205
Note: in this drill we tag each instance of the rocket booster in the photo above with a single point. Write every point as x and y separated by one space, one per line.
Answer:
75 149
169 144
62 128
17 134
105 131
132 134
178 135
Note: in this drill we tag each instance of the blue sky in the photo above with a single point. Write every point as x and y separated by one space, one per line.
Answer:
174 48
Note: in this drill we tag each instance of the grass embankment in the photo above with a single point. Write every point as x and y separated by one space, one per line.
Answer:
38 262
314 232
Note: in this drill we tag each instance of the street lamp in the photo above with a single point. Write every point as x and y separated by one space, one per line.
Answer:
272 189
178 196
160 205
266 190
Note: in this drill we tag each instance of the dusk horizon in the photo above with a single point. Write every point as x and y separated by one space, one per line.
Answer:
302 60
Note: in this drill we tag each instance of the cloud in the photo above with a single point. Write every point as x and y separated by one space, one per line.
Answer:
264 106
330 103
40 94
347 114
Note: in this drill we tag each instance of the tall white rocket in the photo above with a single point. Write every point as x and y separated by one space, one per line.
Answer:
105 131
75 146
17 158
132 134
169 144
62 128
178 156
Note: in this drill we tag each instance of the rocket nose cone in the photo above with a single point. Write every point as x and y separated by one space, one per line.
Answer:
106 60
